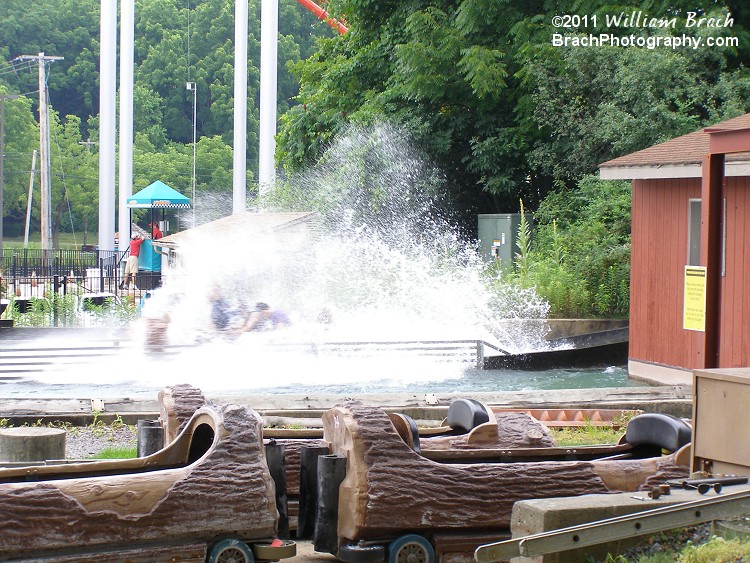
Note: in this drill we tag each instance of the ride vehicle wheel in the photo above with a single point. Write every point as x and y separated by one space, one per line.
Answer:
411 548
271 552
356 553
230 551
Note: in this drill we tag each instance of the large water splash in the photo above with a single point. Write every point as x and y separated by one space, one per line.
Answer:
386 261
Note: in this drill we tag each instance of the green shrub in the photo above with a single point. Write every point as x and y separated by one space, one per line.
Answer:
580 257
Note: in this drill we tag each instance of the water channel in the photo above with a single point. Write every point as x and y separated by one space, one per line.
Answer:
382 261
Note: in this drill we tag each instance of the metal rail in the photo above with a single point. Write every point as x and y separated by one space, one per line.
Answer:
16 356
618 528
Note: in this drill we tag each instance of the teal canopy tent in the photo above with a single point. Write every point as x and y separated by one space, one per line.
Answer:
157 195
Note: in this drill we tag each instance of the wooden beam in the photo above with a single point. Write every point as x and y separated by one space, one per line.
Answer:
711 253
727 141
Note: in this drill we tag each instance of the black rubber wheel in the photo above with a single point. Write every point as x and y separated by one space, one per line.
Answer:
352 553
230 551
411 548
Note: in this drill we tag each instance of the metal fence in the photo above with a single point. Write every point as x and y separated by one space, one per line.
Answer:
30 272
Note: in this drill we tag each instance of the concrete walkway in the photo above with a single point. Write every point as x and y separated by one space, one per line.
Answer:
306 552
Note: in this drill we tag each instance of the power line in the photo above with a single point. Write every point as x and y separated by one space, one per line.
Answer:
14 68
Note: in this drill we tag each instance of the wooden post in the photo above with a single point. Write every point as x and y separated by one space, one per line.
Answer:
711 253
26 443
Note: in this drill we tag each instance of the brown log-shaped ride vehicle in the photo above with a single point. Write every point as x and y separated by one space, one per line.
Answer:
206 496
388 494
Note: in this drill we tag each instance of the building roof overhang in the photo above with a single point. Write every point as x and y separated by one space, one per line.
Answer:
682 157
244 224
660 171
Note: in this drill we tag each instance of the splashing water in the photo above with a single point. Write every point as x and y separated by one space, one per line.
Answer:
386 263
383 261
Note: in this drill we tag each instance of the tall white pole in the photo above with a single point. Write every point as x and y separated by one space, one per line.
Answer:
195 124
125 182
239 165
44 160
193 87
269 32
107 103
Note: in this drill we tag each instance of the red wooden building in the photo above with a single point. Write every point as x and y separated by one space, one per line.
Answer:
690 256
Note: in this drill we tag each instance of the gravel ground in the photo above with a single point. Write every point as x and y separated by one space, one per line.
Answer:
88 441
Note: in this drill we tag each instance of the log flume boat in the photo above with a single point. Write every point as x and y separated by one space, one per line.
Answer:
206 496
380 488
399 497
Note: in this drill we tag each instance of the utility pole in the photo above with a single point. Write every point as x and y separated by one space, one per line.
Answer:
269 32
44 144
107 124
239 145
125 171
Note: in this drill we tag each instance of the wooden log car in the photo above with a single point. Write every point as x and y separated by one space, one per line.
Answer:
206 496
397 502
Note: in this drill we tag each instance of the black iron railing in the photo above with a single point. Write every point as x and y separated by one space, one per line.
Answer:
24 270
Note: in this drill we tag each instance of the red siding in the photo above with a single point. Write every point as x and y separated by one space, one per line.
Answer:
734 335
659 256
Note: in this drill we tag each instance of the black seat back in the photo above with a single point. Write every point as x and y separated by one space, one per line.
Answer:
465 414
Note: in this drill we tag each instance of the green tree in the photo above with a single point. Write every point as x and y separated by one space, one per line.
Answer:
596 104
75 201
63 28
21 138
481 88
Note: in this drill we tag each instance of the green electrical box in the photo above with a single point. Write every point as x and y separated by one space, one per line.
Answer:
498 236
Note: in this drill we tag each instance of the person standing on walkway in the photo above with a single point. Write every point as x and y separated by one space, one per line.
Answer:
131 266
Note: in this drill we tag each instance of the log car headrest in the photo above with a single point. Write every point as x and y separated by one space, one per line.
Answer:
465 414
657 429
407 429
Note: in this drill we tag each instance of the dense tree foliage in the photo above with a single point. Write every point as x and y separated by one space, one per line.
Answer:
176 41
507 114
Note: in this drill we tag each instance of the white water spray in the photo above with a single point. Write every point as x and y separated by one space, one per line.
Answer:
382 261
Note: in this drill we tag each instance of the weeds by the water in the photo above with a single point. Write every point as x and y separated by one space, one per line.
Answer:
54 310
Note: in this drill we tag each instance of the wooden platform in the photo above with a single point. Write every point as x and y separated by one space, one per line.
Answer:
667 399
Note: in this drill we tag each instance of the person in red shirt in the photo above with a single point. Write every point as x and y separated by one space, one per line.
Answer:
156 233
131 266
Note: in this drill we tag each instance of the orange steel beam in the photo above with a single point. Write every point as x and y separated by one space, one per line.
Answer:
323 15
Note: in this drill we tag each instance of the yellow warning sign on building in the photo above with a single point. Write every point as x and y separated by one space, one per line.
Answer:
694 311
